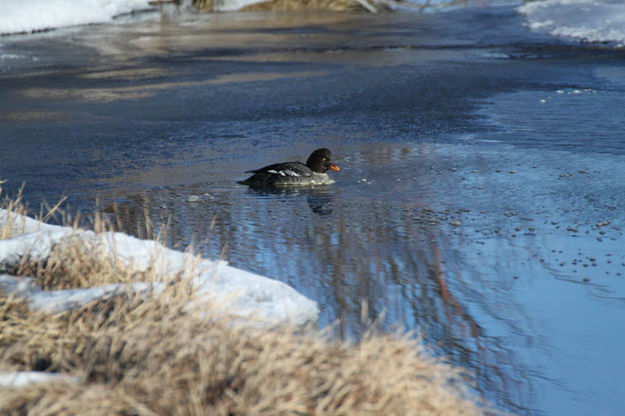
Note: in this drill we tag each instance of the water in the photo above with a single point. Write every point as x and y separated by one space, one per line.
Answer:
479 204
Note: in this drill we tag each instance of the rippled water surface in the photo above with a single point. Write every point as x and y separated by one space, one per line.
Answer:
480 201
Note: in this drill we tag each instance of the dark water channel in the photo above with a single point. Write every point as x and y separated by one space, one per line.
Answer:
481 200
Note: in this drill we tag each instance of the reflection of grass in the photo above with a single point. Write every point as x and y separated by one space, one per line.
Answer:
154 355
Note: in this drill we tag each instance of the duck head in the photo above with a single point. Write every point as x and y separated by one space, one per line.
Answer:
321 160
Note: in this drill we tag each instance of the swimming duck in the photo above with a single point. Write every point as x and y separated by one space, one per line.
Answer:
288 174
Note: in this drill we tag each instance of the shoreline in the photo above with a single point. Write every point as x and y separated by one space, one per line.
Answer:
138 319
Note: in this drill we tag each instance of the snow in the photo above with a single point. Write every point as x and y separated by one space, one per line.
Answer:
585 20
32 15
239 293
582 20
232 5
56 301
35 15
246 296
23 378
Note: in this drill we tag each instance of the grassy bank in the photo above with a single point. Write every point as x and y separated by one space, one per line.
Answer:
153 355
286 5
372 6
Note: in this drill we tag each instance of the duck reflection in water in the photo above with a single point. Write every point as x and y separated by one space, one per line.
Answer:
319 198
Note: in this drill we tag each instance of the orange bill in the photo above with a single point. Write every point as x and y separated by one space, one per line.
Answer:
334 167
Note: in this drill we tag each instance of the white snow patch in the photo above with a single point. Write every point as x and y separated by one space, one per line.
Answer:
33 15
23 378
56 301
583 20
238 292
232 5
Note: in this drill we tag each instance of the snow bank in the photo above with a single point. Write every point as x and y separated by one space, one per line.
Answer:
32 15
35 15
236 292
584 20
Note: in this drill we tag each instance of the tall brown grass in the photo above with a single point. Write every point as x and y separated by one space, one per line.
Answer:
350 5
16 209
78 262
289 5
153 355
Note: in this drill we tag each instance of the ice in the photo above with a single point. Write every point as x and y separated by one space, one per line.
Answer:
582 20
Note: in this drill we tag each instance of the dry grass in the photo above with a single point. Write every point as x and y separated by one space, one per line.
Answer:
16 208
138 355
77 263
152 357
342 5
286 5
336 5
282 5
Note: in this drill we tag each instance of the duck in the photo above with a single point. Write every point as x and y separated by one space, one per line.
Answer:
295 174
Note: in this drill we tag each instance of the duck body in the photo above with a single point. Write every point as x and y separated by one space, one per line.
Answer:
294 174
286 174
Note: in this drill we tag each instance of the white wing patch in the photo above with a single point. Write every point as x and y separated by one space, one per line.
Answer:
286 172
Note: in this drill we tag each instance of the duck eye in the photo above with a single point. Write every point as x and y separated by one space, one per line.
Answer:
323 158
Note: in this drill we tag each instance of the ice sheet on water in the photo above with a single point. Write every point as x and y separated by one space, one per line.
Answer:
583 20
